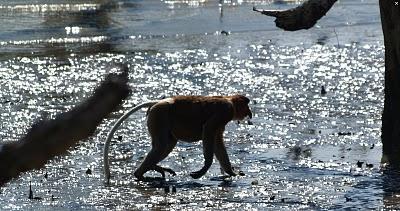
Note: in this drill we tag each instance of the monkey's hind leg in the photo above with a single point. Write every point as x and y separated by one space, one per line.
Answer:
162 142
151 160
170 146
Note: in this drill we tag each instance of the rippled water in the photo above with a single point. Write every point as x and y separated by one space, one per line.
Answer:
300 152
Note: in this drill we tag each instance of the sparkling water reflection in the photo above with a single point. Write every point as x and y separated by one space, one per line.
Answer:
300 152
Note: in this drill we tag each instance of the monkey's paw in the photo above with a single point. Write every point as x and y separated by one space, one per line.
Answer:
161 170
196 174
235 172
169 171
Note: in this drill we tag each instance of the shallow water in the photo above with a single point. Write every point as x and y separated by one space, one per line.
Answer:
300 152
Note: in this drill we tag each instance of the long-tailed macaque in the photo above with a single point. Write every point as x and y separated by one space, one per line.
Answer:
190 119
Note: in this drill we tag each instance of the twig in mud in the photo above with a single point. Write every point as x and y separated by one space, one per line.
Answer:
337 38
338 44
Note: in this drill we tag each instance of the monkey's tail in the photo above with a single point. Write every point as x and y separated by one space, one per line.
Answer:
106 163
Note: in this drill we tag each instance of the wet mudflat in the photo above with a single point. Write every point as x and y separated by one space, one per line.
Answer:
301 150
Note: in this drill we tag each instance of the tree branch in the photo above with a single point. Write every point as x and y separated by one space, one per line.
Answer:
49 138
304 16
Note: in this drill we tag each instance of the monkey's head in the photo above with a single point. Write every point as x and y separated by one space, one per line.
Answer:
241 105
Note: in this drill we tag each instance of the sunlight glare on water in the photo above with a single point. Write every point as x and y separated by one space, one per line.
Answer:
284 100
298 152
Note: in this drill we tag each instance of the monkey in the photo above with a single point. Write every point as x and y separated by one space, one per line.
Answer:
189 119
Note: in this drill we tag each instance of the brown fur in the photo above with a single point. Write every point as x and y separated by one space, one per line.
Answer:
190 119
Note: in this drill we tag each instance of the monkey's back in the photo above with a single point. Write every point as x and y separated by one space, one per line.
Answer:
188 114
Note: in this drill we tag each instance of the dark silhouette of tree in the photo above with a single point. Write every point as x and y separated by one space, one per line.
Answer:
390 17
304 16
307 14
49 138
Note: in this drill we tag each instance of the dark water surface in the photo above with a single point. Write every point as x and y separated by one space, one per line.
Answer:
300 152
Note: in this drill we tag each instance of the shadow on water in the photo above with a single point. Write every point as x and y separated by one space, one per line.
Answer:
388 194
298 152
391 187
159 182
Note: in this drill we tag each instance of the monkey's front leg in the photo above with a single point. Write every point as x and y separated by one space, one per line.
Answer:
222 155
208 159
208 149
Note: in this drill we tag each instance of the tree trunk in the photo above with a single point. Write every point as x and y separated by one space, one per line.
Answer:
390 17
307 14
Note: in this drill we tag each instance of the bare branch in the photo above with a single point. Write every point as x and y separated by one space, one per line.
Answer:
49 138
304 16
